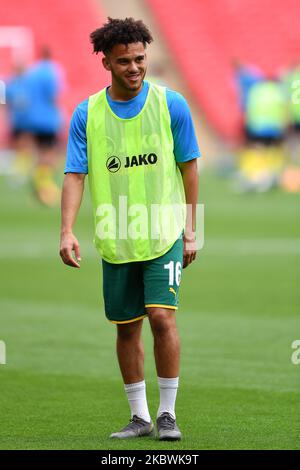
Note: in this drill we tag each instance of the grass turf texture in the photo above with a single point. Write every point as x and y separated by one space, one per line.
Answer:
239 313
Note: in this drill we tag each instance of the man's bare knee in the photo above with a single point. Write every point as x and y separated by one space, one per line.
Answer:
162 321
130 331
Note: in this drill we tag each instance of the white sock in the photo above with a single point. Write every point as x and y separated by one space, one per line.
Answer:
168 391
136 394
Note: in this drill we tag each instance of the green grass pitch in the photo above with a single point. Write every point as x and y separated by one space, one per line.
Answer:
238 316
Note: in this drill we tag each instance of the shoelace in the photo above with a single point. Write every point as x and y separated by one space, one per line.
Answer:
166 421
135 421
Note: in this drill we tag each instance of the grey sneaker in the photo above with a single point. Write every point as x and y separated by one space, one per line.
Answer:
137 427
167 428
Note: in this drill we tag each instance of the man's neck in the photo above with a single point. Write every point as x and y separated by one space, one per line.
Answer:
120 94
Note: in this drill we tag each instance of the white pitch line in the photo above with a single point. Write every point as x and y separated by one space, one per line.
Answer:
12 249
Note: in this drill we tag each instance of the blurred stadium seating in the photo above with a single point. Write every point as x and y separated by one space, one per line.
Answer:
62 27
206 36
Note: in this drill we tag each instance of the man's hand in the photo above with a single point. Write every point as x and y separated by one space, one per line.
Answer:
69 243
70 202
189 250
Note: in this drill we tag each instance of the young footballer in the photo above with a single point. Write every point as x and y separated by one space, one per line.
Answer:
136 142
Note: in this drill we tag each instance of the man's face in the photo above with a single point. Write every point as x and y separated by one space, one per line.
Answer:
127 64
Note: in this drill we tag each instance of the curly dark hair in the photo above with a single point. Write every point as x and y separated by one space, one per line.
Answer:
117 31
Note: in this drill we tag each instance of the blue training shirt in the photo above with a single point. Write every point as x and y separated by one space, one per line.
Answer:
44 84
185 141
18 102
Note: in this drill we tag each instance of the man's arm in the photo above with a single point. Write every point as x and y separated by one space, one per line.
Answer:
186 152
190 179
70 203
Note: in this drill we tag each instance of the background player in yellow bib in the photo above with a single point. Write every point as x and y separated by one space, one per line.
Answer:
136 141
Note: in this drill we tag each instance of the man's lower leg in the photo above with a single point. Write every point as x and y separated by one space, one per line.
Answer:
130 353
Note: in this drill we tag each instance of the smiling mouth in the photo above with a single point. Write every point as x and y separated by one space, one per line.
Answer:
133 78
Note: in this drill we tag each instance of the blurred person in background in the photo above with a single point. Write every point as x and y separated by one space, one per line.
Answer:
45 118
246 76
266 123
18 107
266 113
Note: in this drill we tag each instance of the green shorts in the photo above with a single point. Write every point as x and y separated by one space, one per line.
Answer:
131 287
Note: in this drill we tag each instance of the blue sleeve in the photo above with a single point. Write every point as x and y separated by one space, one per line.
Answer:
185 141
76 161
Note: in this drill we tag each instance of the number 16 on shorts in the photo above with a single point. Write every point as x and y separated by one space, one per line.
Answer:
174 272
